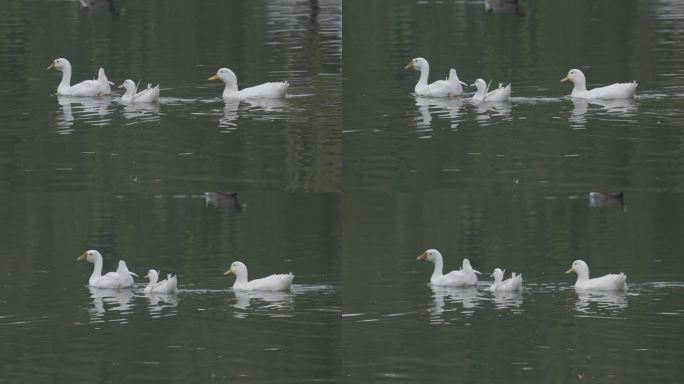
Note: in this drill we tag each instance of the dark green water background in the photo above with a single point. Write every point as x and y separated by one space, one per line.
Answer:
344 183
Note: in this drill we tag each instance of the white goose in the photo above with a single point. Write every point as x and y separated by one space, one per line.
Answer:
512 284
122 278
610 282
279 282
482 95
99 87
614 91
465 277
169 285
450 87
263 91
149 95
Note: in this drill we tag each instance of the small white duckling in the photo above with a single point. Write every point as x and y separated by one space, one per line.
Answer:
482 95
149 95
169 285
512 284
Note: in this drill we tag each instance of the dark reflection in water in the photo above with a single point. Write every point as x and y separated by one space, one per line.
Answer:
262 300
94 110
119 301
598 302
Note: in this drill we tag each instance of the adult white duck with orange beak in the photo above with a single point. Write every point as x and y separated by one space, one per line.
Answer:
87 88
122 278
613 91
610 282
450 87
276 90
278 282
465 277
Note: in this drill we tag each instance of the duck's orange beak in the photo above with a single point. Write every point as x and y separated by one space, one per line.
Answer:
82 257
563 80
52 65
569 270
409 65
423 256
215 77
228 272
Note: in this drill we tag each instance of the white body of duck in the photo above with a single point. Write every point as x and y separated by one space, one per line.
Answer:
276 90
149 95
465 277
614 91
483 95
452 86
99 87
169 285
270 283
611 282
122 278
512 284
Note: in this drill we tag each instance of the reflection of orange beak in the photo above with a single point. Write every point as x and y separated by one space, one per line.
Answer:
423 256
563 80
52 65
215 77
82 257
409 65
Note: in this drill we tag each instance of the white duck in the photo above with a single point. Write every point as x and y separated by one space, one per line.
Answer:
611 282
482 95
99 87
149 95
270 283
614 91
276 90
169 285
465 277
122 278
512 284
450 87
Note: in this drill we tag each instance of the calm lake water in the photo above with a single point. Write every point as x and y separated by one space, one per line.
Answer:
507 185
131 181
344 183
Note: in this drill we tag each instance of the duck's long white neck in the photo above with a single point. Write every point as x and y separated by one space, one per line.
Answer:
153 280
437 272
582 273
424 73
66 79
579 84
241 277
97 269
231 86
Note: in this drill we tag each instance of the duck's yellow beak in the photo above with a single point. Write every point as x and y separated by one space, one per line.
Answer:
82 257
52 65
423 256
409 65
215 77
570 270
563 80
228 272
